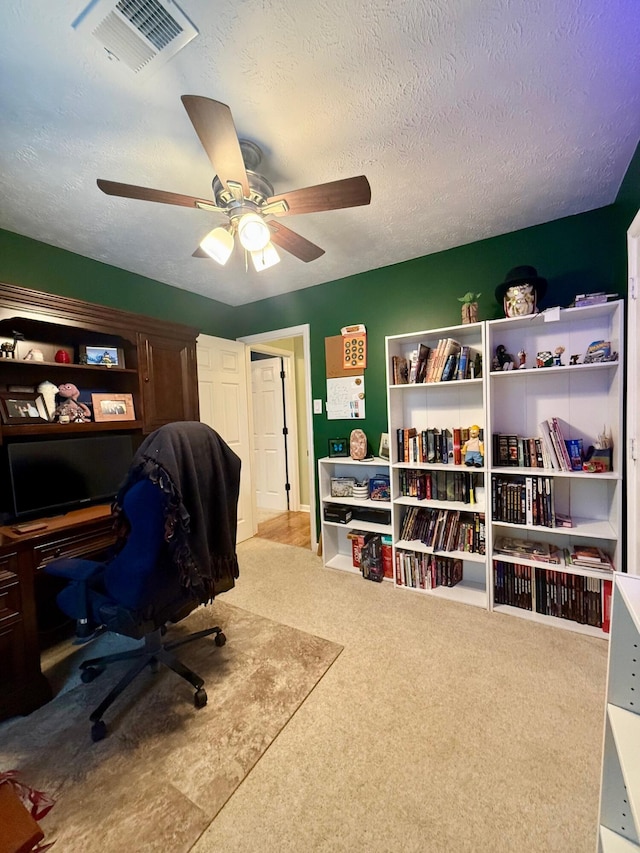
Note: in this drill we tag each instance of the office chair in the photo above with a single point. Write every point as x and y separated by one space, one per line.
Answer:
176 519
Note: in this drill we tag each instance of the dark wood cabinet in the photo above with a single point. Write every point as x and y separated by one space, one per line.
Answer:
167 370
158 370
159 358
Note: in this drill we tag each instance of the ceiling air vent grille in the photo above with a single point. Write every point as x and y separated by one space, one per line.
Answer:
139 33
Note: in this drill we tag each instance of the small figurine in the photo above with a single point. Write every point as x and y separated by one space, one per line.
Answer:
473 448
106 359
48 391
34 354
503 359
522 359
574 359
521 291
70 407
557 359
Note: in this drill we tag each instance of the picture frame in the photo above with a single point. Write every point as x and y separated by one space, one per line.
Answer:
338 447
383 452
113 407
22 407
101 356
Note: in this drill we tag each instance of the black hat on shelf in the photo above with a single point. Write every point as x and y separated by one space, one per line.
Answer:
522 275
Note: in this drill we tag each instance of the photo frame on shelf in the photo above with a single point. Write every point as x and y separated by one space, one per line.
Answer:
113 407
18 408
383 452
338 446
105 356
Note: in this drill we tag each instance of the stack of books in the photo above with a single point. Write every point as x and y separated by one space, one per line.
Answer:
589 556
526 549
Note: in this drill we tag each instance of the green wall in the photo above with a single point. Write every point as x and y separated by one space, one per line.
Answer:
28 263
577 254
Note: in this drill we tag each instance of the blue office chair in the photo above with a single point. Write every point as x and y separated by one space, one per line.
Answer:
176 516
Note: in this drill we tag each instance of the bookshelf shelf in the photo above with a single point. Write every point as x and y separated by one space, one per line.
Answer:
443 409
587 402
337 548
619 821
513 403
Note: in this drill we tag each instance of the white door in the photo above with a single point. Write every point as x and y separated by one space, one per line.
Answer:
269 461
633 400
224 406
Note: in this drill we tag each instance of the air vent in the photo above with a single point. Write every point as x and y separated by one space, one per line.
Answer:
142 34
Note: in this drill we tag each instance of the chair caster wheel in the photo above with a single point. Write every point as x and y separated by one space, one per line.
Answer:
200 698
220 639
89 674
98 731
154 665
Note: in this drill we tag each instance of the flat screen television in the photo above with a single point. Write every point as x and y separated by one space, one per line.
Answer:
59 475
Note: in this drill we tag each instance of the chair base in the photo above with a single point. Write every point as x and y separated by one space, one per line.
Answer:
153 653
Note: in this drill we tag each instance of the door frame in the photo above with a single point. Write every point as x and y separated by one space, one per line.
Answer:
290 416
303 331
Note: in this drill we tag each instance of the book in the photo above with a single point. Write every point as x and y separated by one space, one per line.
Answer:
423 358
463 363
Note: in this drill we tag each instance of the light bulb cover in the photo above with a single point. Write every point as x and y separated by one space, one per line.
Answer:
218 244
253 232
265 258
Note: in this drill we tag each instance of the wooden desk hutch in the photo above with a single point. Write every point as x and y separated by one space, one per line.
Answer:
159 372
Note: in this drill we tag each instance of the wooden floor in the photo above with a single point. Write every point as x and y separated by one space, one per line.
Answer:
288 528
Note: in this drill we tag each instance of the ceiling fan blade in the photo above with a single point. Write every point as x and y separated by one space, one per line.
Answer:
349 192
293 243
146 194
214 125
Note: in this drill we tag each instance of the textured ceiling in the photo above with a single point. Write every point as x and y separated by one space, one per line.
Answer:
470 118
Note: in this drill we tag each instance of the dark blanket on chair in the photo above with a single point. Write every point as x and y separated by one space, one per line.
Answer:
199 475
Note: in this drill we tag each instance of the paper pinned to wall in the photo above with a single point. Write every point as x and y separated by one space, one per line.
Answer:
345 398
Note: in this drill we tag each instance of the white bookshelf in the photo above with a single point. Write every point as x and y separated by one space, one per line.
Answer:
619 820
336 547
437 405
587 399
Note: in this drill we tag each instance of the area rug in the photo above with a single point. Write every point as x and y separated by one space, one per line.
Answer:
166 768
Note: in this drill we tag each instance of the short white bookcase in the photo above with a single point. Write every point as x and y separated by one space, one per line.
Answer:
336 547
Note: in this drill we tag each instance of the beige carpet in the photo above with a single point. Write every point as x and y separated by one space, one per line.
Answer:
166 769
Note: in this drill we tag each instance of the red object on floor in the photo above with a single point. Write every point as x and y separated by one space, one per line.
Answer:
20 832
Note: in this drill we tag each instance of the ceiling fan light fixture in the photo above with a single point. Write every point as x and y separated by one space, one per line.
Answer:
253 232
218 244
265 258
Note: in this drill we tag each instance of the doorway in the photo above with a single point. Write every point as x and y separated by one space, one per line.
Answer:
293 524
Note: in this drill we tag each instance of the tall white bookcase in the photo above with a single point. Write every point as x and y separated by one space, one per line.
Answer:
587 400
441 406
619 821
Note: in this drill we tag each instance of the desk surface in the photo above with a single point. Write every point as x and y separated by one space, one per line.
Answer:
55 523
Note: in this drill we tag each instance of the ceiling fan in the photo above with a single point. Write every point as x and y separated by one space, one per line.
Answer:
245 197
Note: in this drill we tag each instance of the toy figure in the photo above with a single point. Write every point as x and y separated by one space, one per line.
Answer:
473 448
503 360
48 391
522 359
70 408
558 356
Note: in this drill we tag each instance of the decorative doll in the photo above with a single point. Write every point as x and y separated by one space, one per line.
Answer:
473 448
70 409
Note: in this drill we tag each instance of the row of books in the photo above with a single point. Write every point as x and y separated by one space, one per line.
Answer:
444 529
448 361
587 556
549 450
552 592
432 446
426 571
438 485
523 500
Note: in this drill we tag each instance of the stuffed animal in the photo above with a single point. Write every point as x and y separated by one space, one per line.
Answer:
70 407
